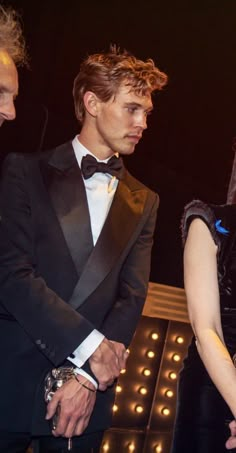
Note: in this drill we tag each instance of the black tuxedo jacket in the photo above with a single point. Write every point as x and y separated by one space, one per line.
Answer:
55 286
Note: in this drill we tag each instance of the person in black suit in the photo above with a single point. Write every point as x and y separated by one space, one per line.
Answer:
12 53
75 244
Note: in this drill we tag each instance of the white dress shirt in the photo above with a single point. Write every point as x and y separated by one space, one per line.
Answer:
100 190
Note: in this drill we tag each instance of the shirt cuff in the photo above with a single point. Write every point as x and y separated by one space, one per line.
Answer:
87 376
86 348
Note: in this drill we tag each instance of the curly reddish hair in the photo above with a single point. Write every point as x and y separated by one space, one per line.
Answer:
103 73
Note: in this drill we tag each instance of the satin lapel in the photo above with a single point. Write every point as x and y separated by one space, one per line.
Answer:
124 215
65 185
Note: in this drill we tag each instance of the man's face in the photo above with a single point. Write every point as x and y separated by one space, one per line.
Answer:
121 121
8 87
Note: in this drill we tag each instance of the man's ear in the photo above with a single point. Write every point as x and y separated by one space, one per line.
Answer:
91 103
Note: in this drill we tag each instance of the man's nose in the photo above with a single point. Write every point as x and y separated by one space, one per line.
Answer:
142 121
8 111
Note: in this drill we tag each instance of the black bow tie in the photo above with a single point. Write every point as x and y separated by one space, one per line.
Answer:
89 166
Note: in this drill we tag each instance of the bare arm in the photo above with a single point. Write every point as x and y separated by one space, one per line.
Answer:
200 275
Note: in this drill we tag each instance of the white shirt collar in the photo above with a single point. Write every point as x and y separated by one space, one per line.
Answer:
81 151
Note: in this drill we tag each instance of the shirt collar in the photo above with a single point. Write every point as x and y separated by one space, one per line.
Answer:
81 151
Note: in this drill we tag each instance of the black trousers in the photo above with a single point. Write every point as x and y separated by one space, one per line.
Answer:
20 442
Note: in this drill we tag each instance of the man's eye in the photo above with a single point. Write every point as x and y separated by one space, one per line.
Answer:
132 109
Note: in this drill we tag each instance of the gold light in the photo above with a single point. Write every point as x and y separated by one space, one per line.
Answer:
172 375
131 447
179 339
150 354
139 409
115 408
158 448
154 336
169 393
176 357
105 447
142 390
118 388
123 371
165 411
146 372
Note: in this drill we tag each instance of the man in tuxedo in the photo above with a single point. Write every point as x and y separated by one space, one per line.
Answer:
75 245
12 53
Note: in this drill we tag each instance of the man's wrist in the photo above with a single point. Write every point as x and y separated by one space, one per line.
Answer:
86 375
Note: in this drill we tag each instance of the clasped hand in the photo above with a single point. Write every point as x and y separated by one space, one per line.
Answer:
107 362
75 404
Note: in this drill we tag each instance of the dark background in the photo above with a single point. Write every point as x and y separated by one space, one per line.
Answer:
187 151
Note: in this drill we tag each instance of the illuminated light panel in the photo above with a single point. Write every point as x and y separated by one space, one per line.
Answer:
146 372
158 448
154 336
115 408
105 447
131 447
172 375
139 409
169 393
142 390
179 340
118 389
165 411
150 354
176 357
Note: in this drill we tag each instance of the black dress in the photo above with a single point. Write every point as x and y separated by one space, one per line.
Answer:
202 416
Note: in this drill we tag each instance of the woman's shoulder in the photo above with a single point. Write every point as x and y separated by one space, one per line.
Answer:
220 219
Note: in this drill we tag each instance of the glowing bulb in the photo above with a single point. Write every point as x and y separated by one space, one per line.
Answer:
118 389
154 336
131 447
139 409
169 393
179 339
165 411
123 371
150 354
142 390
158 448
105 447
115 408
146 372
172 375
176 357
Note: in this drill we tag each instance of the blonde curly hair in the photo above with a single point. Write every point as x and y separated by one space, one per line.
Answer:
11 36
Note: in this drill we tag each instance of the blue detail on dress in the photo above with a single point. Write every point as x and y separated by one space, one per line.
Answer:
219 228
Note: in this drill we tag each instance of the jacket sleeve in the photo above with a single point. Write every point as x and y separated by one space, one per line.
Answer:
53 326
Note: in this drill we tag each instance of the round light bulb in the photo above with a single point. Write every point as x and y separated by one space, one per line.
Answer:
139 409
105 447
154 336
165 411
179 339
150 354
115 408
131 447
146 372
118 389
172 375
169 393
176 357
142 390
